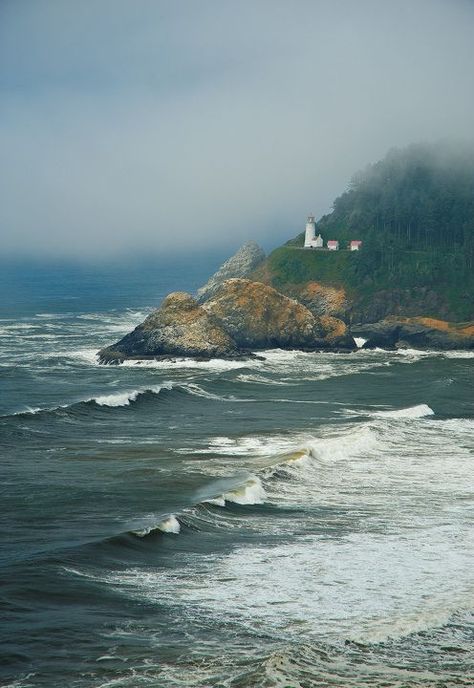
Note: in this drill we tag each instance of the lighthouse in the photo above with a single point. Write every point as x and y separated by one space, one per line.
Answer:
310 238
310 233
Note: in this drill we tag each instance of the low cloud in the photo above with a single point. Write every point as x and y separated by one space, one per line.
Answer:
154 127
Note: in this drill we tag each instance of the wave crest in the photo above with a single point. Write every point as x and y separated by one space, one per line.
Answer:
418 411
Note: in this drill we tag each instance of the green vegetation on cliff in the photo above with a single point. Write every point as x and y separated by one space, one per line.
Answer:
414 211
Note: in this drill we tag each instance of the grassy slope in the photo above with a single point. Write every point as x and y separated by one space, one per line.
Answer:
362 278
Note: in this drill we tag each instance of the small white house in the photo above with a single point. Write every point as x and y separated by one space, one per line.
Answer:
318 242
333 245
355 245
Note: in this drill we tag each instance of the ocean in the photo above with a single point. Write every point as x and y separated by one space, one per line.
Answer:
303 520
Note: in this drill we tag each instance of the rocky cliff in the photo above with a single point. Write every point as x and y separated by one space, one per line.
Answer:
417 333
259 317
241 264
180 327
243 316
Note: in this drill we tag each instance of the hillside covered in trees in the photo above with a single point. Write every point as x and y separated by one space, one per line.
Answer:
414 211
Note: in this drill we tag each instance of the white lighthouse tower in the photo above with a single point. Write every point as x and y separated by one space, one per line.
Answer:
310 233
310 238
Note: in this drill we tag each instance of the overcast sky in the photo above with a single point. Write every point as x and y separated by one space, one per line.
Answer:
150 126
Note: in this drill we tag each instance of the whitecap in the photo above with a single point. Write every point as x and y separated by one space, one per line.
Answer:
126 398
167 525
459 354
215 501
418 411
88 356
251 492
118 399
214 364
360 341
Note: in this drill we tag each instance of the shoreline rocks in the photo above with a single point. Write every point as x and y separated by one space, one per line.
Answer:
416 333
180 327
241 318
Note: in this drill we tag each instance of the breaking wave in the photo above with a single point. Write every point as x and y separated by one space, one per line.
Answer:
128 397
125 398
167 525
418 411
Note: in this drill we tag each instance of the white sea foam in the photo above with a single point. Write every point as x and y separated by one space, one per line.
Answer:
365 586
170 525
419 353
342 446
88 356
117 399
251 492
284 356
167 525
459 354
215 501
418 411
126 398
378 545
360 341
260 379
253 445
214 364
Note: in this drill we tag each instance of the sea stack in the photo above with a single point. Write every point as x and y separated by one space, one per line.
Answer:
243 317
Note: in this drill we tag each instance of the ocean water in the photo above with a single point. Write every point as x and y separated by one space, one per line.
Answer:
302 520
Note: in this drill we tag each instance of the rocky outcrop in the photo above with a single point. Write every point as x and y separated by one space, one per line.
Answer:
243 317
180 327
258 317
417 333
320 299
248 257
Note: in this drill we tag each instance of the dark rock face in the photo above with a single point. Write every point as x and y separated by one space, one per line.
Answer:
393 334
248 257
258 317
181 327
244 316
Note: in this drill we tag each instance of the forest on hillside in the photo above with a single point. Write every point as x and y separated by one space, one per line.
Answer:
421 197
417 199
414 211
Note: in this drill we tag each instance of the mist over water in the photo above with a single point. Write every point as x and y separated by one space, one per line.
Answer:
177 126
305 520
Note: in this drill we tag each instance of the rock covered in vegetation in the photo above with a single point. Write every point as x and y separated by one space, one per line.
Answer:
400 303
243 316
241 264
417 333
180 327
259 317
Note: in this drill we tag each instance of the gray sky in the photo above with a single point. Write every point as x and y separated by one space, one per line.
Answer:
149 125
